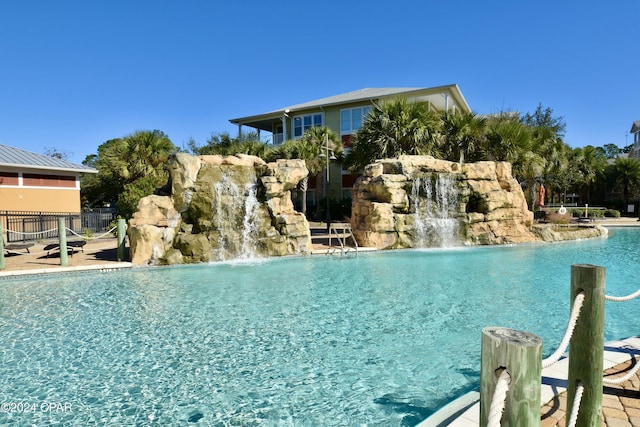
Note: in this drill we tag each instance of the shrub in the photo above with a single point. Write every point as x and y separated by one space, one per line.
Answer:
612 213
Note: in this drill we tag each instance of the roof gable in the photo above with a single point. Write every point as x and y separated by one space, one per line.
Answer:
635 127
17 157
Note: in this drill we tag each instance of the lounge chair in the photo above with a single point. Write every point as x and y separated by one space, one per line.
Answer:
71 246
13 247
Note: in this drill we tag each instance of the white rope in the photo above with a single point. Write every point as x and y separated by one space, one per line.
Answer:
93 237
576 405
33 233
498 401
575 312
620 380
629 297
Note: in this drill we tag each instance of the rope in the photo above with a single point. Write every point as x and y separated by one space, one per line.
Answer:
91 238
620 380
629 297
34 233
576 405
575 312
498 401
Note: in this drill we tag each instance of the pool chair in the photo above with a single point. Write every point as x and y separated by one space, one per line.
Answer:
14 247
71 246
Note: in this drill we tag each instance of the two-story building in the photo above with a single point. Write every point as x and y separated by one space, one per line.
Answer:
344 114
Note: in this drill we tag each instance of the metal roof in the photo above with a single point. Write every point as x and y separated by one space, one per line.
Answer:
19 158
365 94
354 96
635 127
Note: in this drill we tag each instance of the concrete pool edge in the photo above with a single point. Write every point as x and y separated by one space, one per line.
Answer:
36 271
465 411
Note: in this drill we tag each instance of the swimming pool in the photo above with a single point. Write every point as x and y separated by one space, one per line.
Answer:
383 339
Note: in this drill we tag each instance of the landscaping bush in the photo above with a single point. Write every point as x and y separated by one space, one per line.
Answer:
612 213
576 212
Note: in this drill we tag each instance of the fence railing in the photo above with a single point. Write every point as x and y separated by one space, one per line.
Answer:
511 361
22 226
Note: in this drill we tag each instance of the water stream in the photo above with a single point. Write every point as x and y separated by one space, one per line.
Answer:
435 199
236 217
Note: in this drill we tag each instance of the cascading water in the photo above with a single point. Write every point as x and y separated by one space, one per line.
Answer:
236 218
435 199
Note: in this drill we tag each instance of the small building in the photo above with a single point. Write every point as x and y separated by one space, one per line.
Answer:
37 183
344 115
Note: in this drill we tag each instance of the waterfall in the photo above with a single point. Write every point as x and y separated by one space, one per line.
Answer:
435 201
236 217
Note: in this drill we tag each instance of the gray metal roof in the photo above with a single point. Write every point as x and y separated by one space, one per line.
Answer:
354 96
635 127
19 158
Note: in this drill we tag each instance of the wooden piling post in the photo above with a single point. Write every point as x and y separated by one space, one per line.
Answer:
520 353
586 347
122 227
2 265
62 242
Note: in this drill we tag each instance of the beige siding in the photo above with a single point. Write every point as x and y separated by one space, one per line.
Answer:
40 200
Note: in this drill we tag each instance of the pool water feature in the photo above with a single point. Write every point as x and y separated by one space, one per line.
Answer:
384 339
436 199
236 216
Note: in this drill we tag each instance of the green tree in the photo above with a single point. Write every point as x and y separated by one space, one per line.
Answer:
121 162
310 148
505 138
611 151
591 164
223 144
627 175
462 136
394 128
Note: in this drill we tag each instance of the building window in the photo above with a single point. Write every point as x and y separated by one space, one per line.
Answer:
37 180
303 123
9 178
351 119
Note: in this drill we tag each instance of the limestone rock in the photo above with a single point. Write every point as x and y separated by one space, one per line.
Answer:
393 195
221 207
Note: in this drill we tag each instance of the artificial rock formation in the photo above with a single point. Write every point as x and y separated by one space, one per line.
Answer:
221 208
478 203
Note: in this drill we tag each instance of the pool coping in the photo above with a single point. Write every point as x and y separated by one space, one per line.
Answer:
91 267
465 410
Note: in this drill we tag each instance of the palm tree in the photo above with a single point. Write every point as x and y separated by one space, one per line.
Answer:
591 165
134 163
310 148
505 138
461 136
627 174
394 128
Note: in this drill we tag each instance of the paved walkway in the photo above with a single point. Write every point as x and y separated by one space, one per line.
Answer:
621 403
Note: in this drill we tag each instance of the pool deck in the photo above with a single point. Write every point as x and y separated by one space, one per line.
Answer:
621 404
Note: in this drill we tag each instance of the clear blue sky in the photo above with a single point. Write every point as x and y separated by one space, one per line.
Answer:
75 74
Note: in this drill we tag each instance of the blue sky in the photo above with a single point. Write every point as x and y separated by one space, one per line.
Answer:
75 74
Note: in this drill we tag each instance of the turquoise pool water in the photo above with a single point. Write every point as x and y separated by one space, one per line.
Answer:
383 339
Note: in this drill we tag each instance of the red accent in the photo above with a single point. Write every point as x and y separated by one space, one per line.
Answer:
37 180
8 178
349 179
346 141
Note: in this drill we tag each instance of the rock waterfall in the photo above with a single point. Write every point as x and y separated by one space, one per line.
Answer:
221 208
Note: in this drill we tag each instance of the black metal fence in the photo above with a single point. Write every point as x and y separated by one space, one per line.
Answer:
22 226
